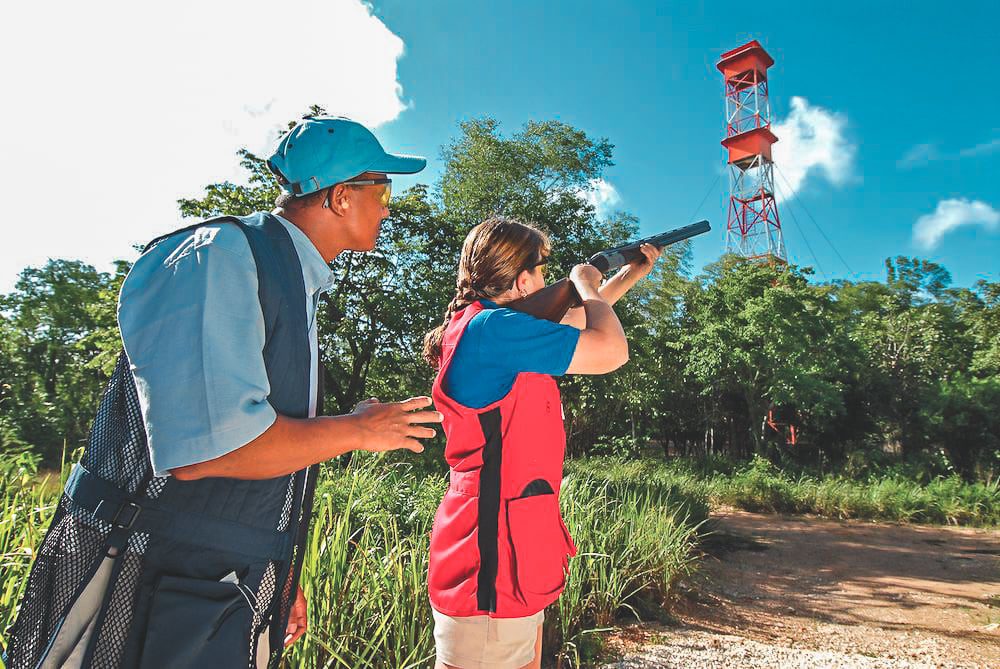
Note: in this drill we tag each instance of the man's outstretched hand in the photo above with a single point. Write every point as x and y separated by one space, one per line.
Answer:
291 444
393 425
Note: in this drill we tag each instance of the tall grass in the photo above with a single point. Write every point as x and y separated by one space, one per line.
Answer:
27 502
365 566
635 524
636 538
759 485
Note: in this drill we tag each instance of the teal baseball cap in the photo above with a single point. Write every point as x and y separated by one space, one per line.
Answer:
321 151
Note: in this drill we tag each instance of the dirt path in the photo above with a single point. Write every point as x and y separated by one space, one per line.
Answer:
784 591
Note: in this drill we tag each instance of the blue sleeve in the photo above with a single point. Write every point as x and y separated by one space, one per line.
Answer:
497 345
193 330
516 342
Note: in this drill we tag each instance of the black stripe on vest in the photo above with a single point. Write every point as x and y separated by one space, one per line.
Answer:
489 511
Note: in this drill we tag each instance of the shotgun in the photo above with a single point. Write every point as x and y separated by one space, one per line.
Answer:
552 302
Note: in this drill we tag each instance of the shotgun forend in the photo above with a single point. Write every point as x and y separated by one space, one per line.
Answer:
553 301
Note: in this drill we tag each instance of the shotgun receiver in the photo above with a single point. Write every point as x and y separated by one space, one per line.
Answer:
552 302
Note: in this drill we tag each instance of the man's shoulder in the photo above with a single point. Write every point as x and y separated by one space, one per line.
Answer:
213 251
208 237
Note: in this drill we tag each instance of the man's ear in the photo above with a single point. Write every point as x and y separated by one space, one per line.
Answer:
340 199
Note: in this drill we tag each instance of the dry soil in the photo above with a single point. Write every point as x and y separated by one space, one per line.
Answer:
786 591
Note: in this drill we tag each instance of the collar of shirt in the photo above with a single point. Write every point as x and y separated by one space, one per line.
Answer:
315 271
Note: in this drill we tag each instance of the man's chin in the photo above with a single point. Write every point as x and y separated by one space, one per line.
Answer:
364 248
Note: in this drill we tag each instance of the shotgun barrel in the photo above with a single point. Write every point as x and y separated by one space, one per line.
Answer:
612 259
552 302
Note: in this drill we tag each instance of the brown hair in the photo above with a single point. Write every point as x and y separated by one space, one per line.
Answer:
494 253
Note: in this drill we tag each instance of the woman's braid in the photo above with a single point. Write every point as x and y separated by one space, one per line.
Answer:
465 295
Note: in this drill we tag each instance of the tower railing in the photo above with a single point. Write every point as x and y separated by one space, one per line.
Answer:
753 227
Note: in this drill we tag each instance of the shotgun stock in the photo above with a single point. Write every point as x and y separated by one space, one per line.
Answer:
552 302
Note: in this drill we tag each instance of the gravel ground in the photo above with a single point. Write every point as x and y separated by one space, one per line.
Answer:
695 649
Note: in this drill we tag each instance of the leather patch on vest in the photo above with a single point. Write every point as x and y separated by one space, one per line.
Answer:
489 510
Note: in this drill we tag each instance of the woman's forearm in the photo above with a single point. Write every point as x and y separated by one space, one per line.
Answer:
611 291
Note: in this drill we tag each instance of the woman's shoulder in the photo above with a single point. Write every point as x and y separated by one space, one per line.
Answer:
496 315
499 322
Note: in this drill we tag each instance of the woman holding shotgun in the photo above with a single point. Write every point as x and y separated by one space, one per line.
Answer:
499 548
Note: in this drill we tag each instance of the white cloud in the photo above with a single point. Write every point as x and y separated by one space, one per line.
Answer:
921 154
113 110
811 141
983 149
951 214
601 195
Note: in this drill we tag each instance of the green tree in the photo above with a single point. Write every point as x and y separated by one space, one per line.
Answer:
962 419
53 312
761 340
537 175
914 341
10 380
229 199
979 311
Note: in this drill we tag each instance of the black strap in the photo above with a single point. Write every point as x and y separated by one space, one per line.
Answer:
128 514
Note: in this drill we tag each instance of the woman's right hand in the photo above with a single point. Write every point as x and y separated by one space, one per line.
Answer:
587 280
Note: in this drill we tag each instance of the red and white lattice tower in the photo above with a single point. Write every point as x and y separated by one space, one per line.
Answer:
754 229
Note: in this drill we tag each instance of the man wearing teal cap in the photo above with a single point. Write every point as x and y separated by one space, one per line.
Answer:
178 541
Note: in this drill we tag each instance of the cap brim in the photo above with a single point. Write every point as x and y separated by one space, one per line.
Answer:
391 163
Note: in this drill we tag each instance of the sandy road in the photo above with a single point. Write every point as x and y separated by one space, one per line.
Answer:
784 591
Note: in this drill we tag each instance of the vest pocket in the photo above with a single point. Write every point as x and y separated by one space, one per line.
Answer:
538 540
197 622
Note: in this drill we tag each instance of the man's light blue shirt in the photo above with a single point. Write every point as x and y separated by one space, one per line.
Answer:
193 329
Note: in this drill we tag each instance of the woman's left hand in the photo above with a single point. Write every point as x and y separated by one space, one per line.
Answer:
637 269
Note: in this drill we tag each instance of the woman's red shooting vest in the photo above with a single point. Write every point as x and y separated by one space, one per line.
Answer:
499 545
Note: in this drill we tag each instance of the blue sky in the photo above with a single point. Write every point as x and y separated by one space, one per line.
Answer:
643 74
111 122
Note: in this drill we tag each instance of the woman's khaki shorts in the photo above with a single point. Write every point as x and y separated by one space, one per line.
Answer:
481 642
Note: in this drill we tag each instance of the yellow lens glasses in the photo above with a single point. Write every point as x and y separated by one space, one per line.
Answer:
386 185
386 194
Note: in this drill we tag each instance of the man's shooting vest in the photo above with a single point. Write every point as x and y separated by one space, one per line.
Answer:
499 546
202 567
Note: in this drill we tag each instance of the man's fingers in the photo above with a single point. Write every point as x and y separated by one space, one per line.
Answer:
422 433
298 619
415 403
425 417
294 632
409 443
294 636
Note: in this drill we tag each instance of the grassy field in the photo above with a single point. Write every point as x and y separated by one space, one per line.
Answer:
899 494
636 524
364 573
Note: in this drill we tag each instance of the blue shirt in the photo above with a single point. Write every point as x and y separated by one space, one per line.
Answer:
500 343
193 329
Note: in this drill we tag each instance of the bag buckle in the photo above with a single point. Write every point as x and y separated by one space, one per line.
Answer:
126 514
